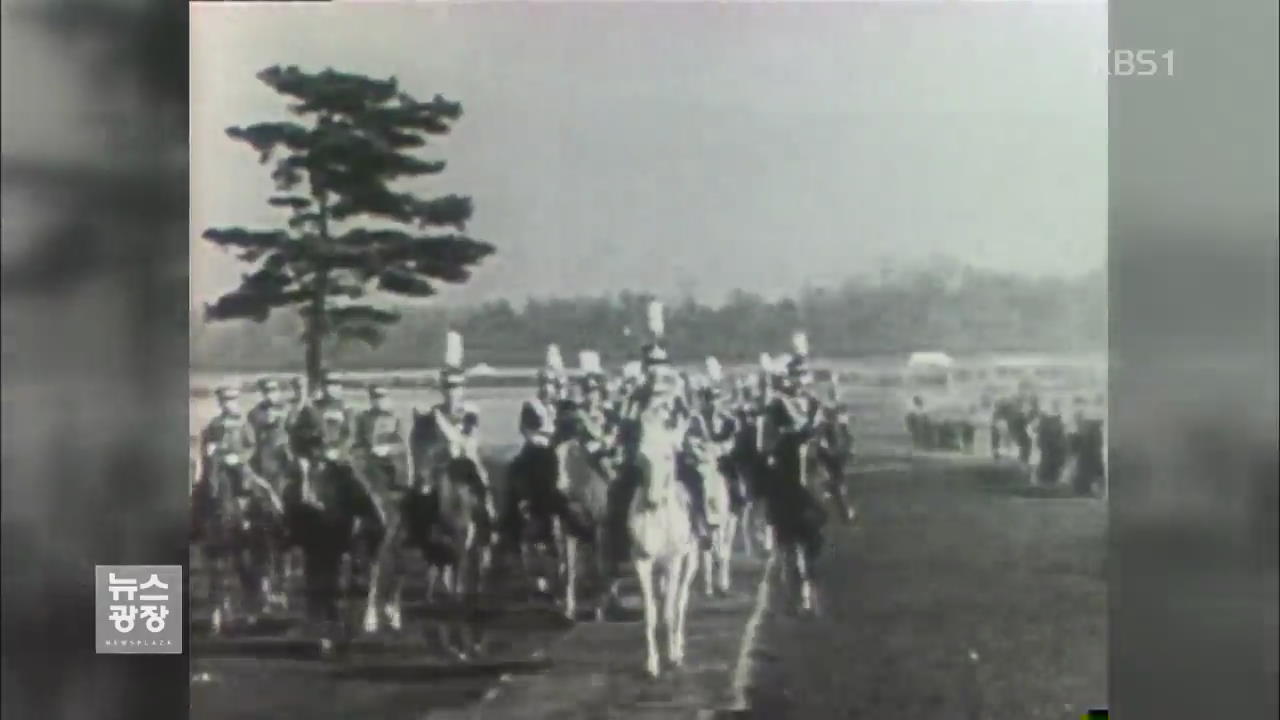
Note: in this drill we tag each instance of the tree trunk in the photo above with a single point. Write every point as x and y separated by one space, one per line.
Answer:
316 330
315 357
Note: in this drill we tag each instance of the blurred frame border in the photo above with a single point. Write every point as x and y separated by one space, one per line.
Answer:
95 353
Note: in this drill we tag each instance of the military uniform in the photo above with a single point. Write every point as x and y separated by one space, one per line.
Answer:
380 443
789 422
596 424
534 471
710 433
835 448
269 422
227 444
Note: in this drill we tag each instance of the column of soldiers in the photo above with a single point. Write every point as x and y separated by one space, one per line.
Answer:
782 406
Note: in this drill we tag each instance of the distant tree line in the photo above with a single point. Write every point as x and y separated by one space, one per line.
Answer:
960 311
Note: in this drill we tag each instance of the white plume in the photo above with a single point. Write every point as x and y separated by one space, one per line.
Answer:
554 360
453 349
800 343
766 362
589 361
656 321
714 371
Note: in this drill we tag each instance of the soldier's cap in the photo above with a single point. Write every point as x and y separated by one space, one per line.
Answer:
653 354
330 379
377 391
266 384
452 377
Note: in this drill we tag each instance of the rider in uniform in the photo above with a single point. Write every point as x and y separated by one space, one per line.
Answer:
533 472
268 422
659 391
334 419
789 421
459 423
227 443
835 446
380 442
711 432
595 420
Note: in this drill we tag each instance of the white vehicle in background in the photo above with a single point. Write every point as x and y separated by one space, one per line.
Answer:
942 387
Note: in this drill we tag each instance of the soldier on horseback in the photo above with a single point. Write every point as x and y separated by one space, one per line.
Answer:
380 444
333 418
228 443
835 446
233 508
595 420
789 422
268 421
454 426
711 433
659 391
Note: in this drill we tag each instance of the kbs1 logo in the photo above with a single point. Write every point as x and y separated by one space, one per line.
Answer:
139 608
1134 63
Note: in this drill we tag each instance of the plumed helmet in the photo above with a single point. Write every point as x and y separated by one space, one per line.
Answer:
452 374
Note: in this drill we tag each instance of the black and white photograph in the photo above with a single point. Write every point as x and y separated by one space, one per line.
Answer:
648 360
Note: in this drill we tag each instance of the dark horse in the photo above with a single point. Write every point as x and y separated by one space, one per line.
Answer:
448 510
236 522
748 477
833 452
330 514
794 513
539 512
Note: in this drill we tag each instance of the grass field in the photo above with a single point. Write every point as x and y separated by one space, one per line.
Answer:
957 595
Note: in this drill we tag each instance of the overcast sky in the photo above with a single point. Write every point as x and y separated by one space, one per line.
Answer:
701 147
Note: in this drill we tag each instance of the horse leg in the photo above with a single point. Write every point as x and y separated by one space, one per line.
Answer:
725 551
526 564
746 527
805 556
320 578
688 570
217 594
570 577
708 566
433 576
644 573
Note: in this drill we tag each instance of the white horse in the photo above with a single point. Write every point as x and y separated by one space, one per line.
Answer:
664 549
720 519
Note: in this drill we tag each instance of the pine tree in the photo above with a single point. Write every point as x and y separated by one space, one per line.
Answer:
350 233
